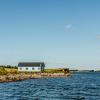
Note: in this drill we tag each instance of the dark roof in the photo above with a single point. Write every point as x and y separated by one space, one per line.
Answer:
31 64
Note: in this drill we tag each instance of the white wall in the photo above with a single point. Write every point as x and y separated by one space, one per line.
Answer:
36 69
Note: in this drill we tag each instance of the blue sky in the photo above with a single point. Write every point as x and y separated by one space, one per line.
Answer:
59 32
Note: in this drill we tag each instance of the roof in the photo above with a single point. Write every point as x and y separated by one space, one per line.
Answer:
31 64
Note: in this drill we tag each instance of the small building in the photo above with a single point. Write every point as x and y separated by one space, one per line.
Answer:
31 66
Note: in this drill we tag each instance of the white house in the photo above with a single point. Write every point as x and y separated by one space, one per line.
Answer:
31 66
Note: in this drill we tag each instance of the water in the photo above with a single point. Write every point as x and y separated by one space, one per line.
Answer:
79 86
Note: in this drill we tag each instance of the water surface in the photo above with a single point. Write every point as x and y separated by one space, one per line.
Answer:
79 86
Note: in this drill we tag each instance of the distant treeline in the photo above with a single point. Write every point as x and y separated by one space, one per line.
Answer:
8 66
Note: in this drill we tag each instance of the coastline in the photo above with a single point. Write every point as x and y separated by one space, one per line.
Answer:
24 76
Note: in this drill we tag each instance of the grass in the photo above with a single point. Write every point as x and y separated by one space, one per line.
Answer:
5 71
57 70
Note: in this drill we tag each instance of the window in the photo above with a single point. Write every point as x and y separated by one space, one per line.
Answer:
32 68
26 68
20 68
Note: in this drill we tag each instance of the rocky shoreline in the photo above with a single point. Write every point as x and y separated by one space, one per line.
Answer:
23 76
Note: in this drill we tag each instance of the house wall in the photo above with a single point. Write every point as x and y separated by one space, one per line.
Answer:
36 69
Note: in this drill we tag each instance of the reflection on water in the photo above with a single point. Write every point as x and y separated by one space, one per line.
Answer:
79 86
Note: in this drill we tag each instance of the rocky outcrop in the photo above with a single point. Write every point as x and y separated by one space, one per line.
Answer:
12 78
24 76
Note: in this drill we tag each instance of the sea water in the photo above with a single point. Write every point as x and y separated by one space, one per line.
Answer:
78 86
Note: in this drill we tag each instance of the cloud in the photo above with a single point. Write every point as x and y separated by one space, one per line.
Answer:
68 27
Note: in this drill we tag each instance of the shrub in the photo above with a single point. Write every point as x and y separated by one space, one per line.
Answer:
3 71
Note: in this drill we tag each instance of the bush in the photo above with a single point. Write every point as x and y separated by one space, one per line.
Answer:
3 71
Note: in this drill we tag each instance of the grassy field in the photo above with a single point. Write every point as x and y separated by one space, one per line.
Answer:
56 70
5 71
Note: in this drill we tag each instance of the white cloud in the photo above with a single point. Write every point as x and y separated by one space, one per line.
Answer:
68 27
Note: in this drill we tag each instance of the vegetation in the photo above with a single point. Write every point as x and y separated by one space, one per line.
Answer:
8 70
57 70
8 66
3 71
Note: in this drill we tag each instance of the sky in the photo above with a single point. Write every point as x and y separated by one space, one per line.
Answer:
62 33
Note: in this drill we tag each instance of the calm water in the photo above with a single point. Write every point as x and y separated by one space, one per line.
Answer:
79 86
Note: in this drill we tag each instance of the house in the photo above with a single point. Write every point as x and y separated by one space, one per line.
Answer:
31 66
